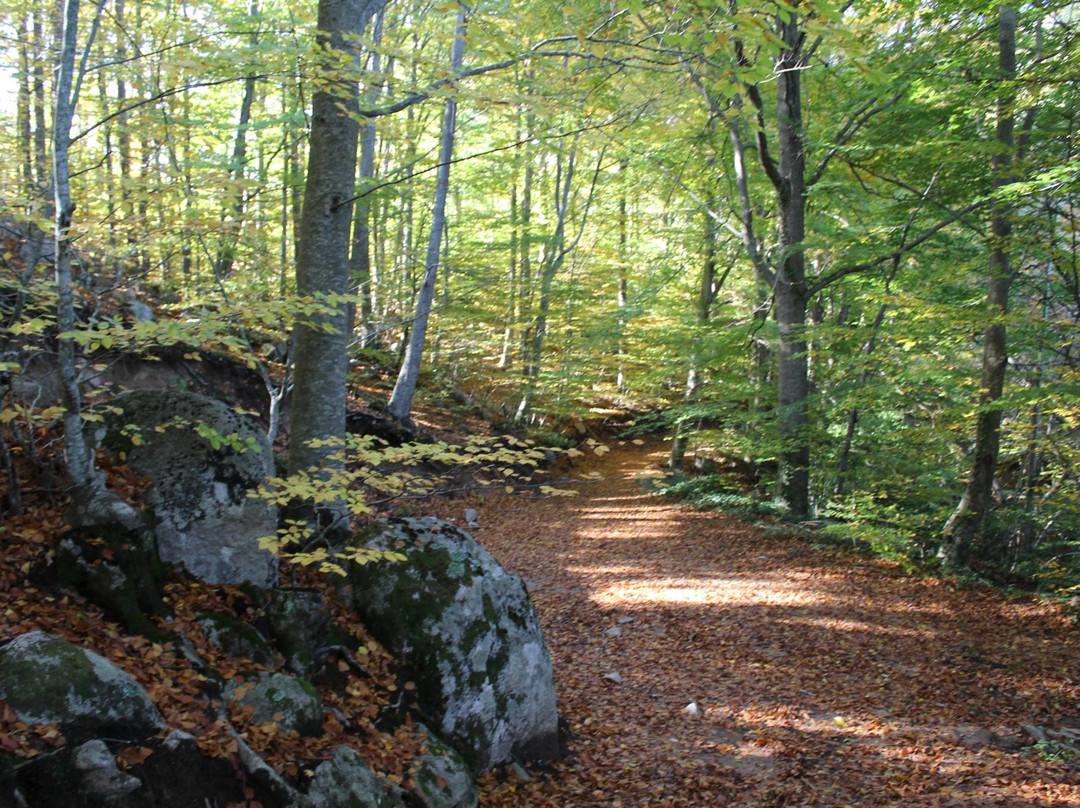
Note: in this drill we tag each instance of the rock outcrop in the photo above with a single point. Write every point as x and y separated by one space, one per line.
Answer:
203 459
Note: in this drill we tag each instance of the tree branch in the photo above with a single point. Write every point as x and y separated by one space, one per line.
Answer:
826 281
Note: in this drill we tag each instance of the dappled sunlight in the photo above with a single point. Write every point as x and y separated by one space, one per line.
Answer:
702 590
755 670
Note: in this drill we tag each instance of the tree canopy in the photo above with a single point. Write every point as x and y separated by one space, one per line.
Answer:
793 236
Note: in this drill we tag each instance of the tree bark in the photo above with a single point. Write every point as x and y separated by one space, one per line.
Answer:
789 289
965 527
92 503
400 406
321 345
361 246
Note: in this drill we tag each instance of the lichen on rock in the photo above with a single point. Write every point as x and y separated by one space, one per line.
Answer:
46 679
292 704
465 631
203 459
346 781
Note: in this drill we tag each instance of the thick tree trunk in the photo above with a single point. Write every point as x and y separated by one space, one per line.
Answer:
965 526
789 290
400 406
318 405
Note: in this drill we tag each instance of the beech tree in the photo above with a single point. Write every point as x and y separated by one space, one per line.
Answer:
322 265
92 502
400 406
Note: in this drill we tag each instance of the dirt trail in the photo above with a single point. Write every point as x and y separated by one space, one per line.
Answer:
817 678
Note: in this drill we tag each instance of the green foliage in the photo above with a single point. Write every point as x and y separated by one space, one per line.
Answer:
717 492
374 474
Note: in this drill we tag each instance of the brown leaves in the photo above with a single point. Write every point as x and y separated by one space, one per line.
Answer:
819 679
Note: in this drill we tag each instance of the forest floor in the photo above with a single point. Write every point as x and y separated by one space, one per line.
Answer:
703 661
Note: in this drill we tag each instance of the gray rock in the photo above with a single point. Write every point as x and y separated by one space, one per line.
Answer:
179 775
464 630
236 638
290 703
99 777
442 777
46 679
299 625
206 521
346 781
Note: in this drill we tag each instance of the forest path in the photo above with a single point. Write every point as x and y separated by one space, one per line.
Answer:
819 678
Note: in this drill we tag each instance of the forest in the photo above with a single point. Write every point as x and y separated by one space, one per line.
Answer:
832 246
821 256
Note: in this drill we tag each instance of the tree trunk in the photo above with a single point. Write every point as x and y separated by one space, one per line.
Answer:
965 526
708 289
361 245
400 406
92 503
233 215
789 289
318 406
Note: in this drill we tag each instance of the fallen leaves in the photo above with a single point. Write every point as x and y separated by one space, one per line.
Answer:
754 670
814 680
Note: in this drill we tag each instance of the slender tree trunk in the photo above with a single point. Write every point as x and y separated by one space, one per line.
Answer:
92 503
400 406
233 215
360 259
965 526
525 266
554 255
708 289
844 462
622 298
512 277
318 405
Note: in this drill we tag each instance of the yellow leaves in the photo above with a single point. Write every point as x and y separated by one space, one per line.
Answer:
557 492
35 326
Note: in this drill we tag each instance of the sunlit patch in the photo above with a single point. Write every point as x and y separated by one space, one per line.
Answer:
704 591
837 624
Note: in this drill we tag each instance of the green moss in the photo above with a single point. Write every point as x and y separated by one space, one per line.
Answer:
235 637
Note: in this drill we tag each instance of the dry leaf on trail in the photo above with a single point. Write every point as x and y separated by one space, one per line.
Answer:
818 678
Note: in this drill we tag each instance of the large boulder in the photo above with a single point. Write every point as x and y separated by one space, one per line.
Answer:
46 679
203 459
465 631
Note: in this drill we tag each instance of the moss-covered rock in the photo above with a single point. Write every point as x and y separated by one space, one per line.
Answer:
236 638
300 627
203 459
465 631
441 777
122 597
290 703
46 679
346 781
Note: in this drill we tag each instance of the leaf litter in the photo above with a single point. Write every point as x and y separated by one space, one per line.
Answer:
753 669
816 679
